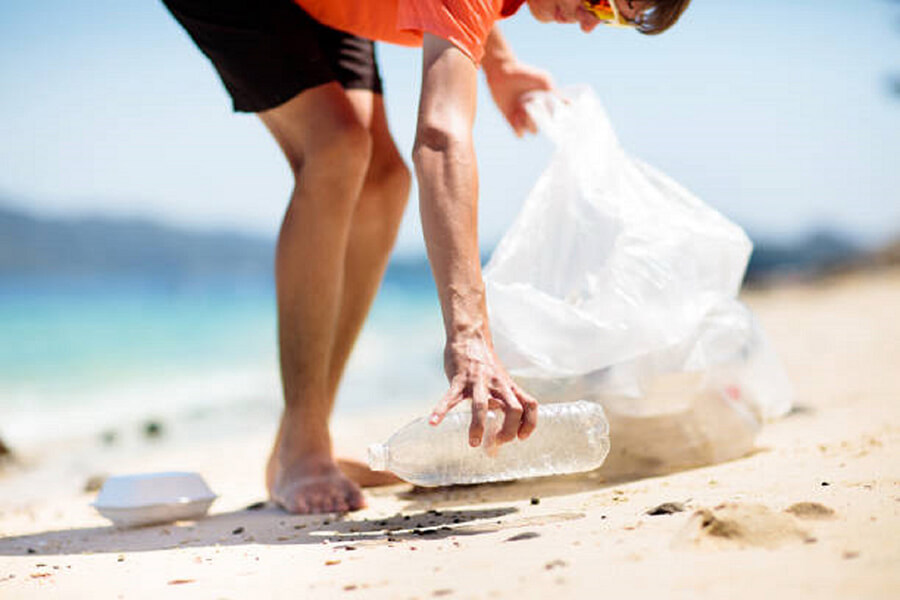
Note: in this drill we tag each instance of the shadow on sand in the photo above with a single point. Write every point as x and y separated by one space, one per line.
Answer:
267 526
425 513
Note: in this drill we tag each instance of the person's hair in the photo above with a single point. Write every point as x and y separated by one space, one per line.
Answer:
660 15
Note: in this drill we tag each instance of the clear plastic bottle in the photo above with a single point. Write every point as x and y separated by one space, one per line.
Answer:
570 437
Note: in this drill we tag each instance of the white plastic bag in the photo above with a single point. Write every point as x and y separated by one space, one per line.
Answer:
616 284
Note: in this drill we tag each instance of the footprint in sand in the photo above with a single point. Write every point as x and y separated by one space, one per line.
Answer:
735 525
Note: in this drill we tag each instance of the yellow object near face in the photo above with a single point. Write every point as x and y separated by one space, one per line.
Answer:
607 12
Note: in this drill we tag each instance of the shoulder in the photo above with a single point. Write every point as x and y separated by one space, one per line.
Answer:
465 23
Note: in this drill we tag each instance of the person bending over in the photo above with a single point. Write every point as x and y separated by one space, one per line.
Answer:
307 68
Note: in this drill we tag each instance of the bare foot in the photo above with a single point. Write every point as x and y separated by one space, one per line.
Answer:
313 484
306 482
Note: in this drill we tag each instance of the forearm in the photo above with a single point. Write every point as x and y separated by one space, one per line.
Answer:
448 187
510 80
448 196
446 169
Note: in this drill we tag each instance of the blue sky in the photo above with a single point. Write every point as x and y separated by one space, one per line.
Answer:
779 116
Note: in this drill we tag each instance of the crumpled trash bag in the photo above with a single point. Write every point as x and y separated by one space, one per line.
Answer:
616 284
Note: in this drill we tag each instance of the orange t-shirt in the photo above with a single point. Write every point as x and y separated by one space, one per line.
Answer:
465 23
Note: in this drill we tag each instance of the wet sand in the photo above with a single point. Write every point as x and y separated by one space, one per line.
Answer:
813 512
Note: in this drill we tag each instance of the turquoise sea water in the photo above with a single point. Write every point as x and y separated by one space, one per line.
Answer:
79 356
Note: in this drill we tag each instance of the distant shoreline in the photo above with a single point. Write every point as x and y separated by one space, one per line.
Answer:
81 250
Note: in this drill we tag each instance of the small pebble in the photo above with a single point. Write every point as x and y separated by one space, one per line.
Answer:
535 501
825 484
238 531
256 505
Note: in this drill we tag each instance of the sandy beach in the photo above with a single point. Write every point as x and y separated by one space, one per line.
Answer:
814 512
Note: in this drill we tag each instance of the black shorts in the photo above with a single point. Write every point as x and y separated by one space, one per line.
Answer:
268 51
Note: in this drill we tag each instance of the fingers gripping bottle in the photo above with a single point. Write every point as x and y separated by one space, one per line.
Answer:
570 438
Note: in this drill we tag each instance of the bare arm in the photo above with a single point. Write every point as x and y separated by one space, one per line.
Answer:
444 157
509 80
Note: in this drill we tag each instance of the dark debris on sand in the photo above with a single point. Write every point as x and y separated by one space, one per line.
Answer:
153 429
6 453
94 483
810 510
527 535
666 508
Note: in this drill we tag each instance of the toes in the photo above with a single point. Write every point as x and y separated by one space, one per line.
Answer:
293 504
355 499
332 500
319 494
339 505
320 503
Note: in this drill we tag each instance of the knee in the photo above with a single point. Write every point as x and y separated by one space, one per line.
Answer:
386 190
341 150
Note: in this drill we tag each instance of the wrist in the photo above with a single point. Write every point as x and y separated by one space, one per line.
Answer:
465 310
470 338
465 349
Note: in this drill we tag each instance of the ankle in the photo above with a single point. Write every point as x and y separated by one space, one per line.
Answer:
302 435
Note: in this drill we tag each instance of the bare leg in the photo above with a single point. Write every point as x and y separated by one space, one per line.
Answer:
328 150
332 252
373 230
372 235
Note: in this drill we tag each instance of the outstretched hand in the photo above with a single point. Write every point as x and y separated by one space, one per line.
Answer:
509 85
475 374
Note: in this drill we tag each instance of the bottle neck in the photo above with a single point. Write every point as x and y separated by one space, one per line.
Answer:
378 457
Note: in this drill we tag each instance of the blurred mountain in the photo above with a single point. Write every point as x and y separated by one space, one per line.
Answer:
811 254
107 248
132 248
818 254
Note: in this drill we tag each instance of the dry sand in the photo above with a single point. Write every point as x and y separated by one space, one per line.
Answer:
813 513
